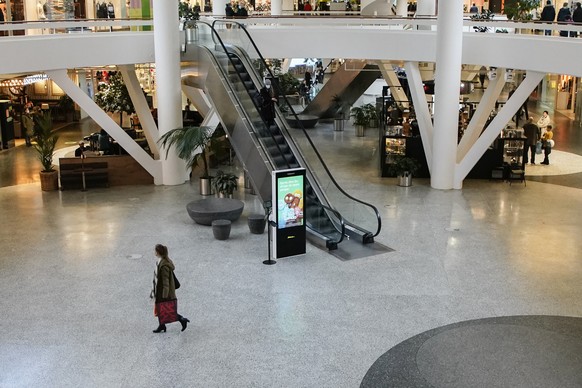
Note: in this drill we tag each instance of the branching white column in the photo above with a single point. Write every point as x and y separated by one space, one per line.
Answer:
167 49
141 108
104 121
198 99
447 93
420 104
530 82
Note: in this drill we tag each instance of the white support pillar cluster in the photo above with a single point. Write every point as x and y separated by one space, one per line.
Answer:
167 54
447 93
530 82
104 121
141 108
420 104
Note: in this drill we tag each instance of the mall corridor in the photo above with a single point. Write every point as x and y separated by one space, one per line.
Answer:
482 287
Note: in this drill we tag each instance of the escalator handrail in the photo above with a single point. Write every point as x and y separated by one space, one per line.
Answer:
377 213
340 218
214 33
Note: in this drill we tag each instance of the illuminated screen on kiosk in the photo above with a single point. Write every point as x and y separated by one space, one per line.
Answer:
290 201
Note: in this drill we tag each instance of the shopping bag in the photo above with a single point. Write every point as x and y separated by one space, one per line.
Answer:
538 147
167 311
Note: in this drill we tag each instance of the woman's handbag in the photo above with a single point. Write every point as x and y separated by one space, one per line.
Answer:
167 311
176 282
538 147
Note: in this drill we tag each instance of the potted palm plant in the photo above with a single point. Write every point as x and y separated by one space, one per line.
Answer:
372 114
189 16
191 144
358 113
225 184
403 167
46 141
67 107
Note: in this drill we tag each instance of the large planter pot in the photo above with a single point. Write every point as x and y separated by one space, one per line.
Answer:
191 34
360 130
405 180
206 186
49 181
338 125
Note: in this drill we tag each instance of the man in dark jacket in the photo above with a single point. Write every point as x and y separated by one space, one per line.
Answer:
577 16
532 134
564 16
548 15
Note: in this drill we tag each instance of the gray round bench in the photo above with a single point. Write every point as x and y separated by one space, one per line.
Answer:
204 211
308 121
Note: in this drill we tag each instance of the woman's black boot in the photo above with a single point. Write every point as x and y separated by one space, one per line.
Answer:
160 328
184 322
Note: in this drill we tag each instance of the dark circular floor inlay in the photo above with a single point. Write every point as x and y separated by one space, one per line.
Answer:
517 351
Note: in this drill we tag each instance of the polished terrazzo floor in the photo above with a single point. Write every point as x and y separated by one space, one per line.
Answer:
76 268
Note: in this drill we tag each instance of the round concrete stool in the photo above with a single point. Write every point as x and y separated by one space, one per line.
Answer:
221 229
257 223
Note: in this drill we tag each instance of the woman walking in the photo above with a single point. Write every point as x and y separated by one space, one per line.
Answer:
164 291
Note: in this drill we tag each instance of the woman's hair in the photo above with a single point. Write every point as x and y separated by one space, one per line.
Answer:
162 250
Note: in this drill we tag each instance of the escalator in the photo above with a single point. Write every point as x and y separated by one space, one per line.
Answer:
231 83
348 83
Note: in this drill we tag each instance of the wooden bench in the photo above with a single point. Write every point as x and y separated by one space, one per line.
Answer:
96 174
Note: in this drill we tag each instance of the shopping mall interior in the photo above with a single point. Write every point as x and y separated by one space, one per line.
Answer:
471 287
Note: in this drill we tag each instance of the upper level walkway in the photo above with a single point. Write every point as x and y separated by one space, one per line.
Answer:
74 44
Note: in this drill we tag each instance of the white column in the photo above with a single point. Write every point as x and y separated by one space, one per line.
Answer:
167 50
83 82
276 7
402 8
218 7
447 83
428 7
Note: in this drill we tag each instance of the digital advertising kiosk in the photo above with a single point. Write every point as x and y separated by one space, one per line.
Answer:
289 212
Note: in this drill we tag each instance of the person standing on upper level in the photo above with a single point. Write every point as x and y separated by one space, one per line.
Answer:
548 15
577 17
474 9
564 16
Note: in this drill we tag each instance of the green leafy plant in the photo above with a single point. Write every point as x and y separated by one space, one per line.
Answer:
114 96
191 144
520 10
46 140
371 112
225 183
403 165
187 13
358 113
288 84
66 103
